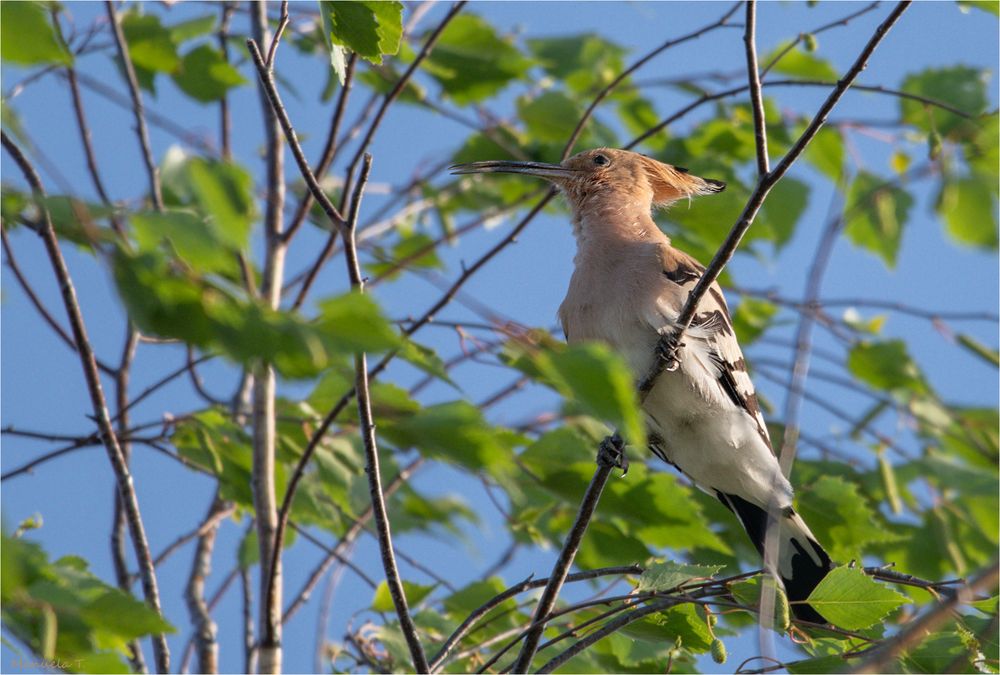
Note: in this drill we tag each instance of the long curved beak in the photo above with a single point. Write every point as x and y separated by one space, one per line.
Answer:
540 169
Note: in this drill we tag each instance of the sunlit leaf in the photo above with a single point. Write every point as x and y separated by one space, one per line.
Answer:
840 517
968 207
585 63
849 598
369 29
27 36
670 575
382 600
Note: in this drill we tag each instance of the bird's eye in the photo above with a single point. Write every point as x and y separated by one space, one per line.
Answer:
601 160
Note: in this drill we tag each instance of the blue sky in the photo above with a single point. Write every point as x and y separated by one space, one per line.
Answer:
42 387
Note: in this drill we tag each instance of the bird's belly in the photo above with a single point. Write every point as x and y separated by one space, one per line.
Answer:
714 443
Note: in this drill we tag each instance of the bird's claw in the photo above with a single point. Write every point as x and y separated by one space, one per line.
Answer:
667 348
612 453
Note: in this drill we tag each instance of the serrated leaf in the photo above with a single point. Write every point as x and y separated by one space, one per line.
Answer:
27 36
382 599
840 517
369 29
849 598
669 575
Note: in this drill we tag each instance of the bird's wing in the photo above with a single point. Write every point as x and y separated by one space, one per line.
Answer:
713 355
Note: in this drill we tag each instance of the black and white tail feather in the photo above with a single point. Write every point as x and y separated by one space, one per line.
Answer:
802 563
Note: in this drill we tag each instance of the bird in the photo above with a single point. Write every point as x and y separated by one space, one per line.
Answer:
628 286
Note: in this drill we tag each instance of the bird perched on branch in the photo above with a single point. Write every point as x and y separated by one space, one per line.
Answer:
628 288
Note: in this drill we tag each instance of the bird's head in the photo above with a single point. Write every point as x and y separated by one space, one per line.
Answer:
606 174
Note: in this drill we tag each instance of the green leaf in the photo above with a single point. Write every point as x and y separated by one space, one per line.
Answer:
62 612
670 576
876 212
205 75
354 323
382 600
584 63
546 116
192 28
189 236
781 212
969 209
472 63
960 87
826 152
990 6
590 374
368 28
27 37
840 517
221 191
887 366
850 599
801 63
150 46
455 432
752 317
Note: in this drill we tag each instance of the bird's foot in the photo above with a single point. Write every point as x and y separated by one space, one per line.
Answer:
666 349
612 453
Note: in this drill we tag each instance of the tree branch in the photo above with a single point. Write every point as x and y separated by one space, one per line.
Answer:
137 107
205 630
764 185
880 660
756 98
98 402
264 422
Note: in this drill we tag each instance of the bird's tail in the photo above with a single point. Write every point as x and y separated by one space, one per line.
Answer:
802 562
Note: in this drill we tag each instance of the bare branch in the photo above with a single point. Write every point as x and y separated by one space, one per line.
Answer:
880 660
137 107
93 378
756 98
206 643
39 306
561 568
282 22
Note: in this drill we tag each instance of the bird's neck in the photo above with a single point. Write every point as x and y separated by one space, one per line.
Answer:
614 225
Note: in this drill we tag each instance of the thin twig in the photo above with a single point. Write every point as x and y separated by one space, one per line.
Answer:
756 98
152 171
347 540
880 660
282 23
39 306
329 150
389 98
575 134
517 589
205 630
764 185
561 569
100 407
